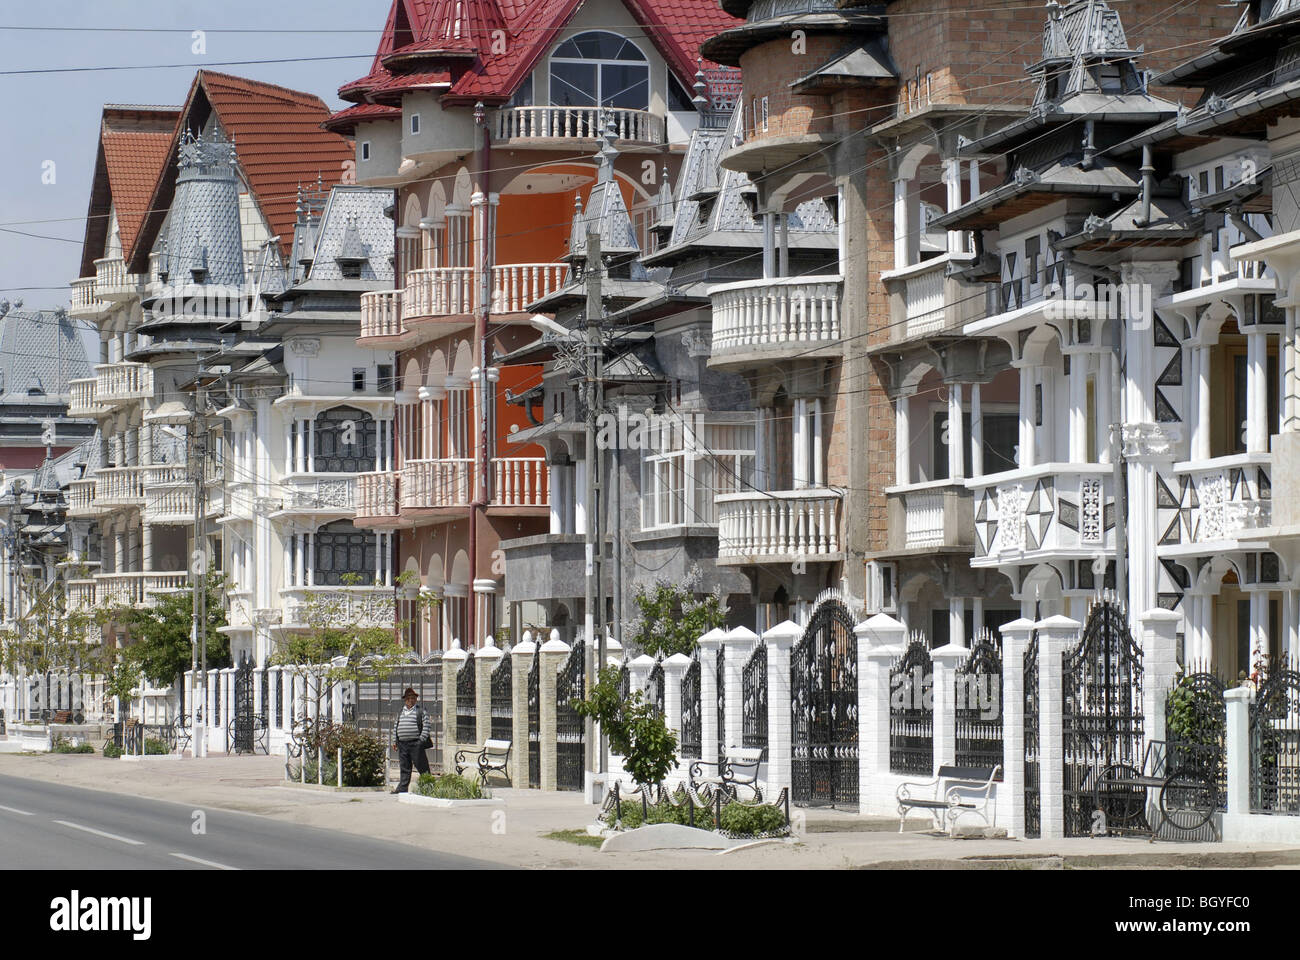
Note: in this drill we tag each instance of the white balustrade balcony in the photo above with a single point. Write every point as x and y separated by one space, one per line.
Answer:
1223 500
520 482
112 282
169 494
82 402
439 291
377 495
924 301
339 606
81 499
84 304
779 526
1051 511
781 315
320 493
122 382
138 589
526 124
81 595
431 484
381 314
928 516
516 285
119 486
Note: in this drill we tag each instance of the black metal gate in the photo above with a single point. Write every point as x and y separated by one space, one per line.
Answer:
654 691
692 727
911 710
720 692
753 698
569 686
1275 743
1101 712
379 700
979 708
535 720
242 725
1197 715
503 707
466 703
824 706
1033 797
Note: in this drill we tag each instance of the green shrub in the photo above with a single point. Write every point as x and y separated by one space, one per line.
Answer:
63 745
631 815
448 786
762 818
364 756
153 747
329 775
112 750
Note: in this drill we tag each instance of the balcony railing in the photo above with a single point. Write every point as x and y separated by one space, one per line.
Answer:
779 526
439 291
321 493
766 314
582 123
381 314
520 482
137 589
1226 497
437 483
81 498
1053 510
81 594
122 382
112 282
925 301
82 402
84 302
336 606
119 486
377 495
169 494
516 285
929 515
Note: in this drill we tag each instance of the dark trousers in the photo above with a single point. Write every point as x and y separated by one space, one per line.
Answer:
408 750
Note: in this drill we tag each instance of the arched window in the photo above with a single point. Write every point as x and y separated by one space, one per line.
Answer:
341 548
345 439
599 69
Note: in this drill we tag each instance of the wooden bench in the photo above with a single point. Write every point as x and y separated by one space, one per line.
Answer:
493 757
738 769
955 792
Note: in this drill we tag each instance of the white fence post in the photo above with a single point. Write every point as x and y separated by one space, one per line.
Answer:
638 674
674 668
1237 749
945 661
881 641
1159 667
780 640
1055 636
1015 639
739 644
710 644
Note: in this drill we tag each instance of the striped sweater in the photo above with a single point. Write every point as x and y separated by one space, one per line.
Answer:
408 725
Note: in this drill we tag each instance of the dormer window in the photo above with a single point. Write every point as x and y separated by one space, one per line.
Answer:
599 68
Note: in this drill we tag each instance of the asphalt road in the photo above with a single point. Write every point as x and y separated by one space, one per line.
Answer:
46 826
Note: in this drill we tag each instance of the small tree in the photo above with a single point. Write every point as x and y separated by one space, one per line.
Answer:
50 635
636 730
672 618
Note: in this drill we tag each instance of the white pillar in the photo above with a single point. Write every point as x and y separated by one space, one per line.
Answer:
946 660
957 620
1015 638
881 640
902 440
1159 666
976 432
1027 409
800 425
952 180
1290 623
1258 628
674 668
1055 636
740 644
780 640
1256 390
1237 748
769 245
1290 376
956 434
903 227
974 180
710 644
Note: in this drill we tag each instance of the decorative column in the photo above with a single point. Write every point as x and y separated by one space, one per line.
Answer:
1159 667
946 660
881 641
902 442
952 181
1237 749
1256 390
976 432
1055 636
710 644
1201 429
1026 413
956 434
452 661
1258 628
553 654
739 644
486 659
780 640
904 226
521 662
1015 639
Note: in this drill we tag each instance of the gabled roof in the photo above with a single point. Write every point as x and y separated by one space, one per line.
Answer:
133 142
279 141
457 35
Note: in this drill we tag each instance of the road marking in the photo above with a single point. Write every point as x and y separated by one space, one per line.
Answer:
101 833
23 813
206 863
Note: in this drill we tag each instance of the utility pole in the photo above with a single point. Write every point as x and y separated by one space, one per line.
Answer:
594 396
198 444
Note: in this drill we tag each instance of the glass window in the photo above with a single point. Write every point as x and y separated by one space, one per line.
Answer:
346 440
600 69
340 549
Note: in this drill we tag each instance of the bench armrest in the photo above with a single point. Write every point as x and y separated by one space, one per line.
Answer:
904 791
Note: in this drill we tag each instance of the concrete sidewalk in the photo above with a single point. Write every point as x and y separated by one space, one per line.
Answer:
514 830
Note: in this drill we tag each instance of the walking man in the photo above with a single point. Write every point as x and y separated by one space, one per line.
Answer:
411 738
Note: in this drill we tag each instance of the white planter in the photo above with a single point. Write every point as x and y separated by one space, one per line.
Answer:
33 737
419 801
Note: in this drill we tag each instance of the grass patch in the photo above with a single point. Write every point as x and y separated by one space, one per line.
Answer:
449 786
65 746
580 837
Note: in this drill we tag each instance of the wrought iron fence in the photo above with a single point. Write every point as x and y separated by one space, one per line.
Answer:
379 701
753 694
654 691
692 728
624 682
911 711
1033 796
1102 721
570 685
535 720
466 703
824 709
978 711
503 705
242 724
1275 743
720 695
1196 717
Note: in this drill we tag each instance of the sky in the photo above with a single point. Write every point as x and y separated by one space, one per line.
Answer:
49 121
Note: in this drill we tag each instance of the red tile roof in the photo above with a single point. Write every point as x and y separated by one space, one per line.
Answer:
279 140
345 121
675 27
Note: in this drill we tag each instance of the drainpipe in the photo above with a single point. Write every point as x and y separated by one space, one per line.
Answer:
480 340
